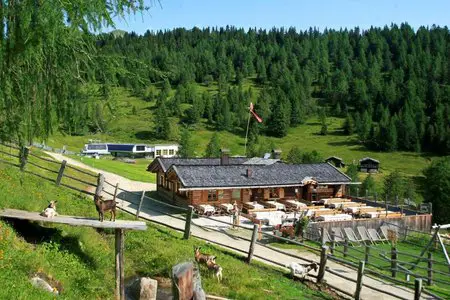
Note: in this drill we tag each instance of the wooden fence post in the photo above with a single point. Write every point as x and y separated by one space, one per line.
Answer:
115 192
138 211
367 254
430 268
322 235
23 155
259 231
417 288
251 249
345 247
394 261
61 172
187 226
359 280
100 183
333 242
323 263
120 286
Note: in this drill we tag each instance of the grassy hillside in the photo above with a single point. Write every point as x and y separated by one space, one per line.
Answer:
82 259
124 126
137 171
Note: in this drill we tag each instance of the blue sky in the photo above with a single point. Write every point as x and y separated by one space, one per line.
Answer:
168 14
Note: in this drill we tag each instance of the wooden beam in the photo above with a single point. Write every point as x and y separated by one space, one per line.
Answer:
61 172
187 226
72 220
138 211
252 243
120 284
100 182
417 288
359 280
323 264
115 192
443 248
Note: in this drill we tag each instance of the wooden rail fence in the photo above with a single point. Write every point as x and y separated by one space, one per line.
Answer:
325 252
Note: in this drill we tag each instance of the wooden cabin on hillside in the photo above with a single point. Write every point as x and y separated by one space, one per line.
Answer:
369 165
214 181
335 161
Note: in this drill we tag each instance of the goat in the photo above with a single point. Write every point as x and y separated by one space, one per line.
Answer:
103 206
50 210
301 270
215 268
200 257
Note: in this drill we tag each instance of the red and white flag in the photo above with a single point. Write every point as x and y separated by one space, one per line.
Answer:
258 118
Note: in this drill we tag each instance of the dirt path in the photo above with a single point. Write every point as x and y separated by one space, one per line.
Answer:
222 237
124 183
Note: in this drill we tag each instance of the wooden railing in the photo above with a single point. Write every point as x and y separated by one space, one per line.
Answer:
48 169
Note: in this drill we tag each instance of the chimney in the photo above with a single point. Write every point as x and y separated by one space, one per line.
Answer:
276 153
224 157
249 172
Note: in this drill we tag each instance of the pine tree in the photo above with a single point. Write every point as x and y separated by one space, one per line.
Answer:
162 124
436 186
365 126
352 172
186 148
294 156
368 185
349 125
213 147
394 186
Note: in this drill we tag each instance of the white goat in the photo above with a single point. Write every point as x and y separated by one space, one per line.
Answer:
215 268
50 210
301 270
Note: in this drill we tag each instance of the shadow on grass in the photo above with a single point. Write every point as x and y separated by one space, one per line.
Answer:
346 143
35 234
144 135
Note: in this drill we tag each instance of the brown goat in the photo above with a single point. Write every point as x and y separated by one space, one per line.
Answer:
103 206
200 257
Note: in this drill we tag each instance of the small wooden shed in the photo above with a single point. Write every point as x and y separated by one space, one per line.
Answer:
335 161
369 165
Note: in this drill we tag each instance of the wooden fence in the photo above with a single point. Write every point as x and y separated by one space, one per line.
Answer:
256 236
415 222
57 174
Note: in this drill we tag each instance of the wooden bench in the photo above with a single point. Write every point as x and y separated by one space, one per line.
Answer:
119 226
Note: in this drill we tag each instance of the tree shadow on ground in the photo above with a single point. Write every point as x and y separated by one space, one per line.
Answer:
144 135
36 234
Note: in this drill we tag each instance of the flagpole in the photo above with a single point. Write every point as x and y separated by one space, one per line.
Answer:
246 134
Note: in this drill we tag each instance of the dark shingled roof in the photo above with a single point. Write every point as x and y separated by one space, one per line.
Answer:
278 174
368 159
166 163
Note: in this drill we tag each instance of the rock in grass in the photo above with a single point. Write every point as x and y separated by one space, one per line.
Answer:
42 284
143 288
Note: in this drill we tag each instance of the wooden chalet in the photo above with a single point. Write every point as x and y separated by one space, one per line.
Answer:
214 181
335 161
369 165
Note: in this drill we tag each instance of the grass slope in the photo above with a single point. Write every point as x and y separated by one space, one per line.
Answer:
137 171
82 259
126 127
